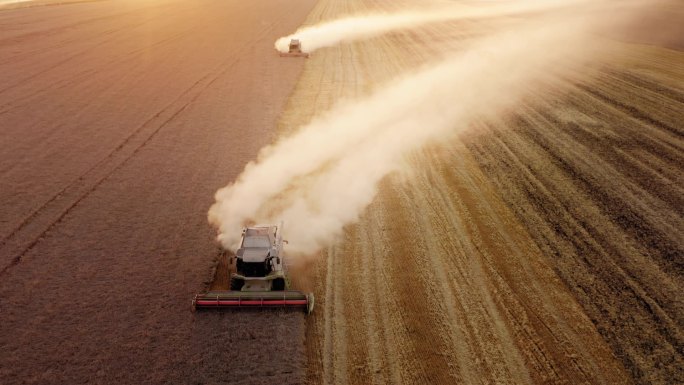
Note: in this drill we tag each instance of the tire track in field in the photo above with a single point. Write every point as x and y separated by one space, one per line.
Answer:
26 54
38 34
38 223
105 295
109 36
74 76
79 77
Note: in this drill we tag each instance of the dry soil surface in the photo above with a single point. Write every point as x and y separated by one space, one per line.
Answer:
541 247
118 122
545 246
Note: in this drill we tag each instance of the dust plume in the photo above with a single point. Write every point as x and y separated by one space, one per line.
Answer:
322 177
348 29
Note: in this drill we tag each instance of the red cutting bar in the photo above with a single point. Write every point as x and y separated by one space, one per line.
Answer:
274 302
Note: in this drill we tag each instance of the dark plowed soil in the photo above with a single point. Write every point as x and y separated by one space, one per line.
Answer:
118 122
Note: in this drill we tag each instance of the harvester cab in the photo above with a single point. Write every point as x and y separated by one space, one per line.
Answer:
259 257
295 49
258 278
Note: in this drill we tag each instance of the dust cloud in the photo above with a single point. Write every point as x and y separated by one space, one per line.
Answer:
322 177
348 29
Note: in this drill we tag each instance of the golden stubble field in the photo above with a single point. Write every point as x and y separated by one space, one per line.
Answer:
544 246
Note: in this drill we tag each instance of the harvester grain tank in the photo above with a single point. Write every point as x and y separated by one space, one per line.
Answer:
294 49
259 278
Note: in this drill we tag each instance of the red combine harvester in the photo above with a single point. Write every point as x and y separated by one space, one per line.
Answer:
294 49
259 279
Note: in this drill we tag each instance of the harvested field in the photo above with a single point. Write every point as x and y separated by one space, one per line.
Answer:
540 247
543 246
598 186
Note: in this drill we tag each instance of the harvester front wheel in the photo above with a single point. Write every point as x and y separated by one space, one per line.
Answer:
278 284
236 284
